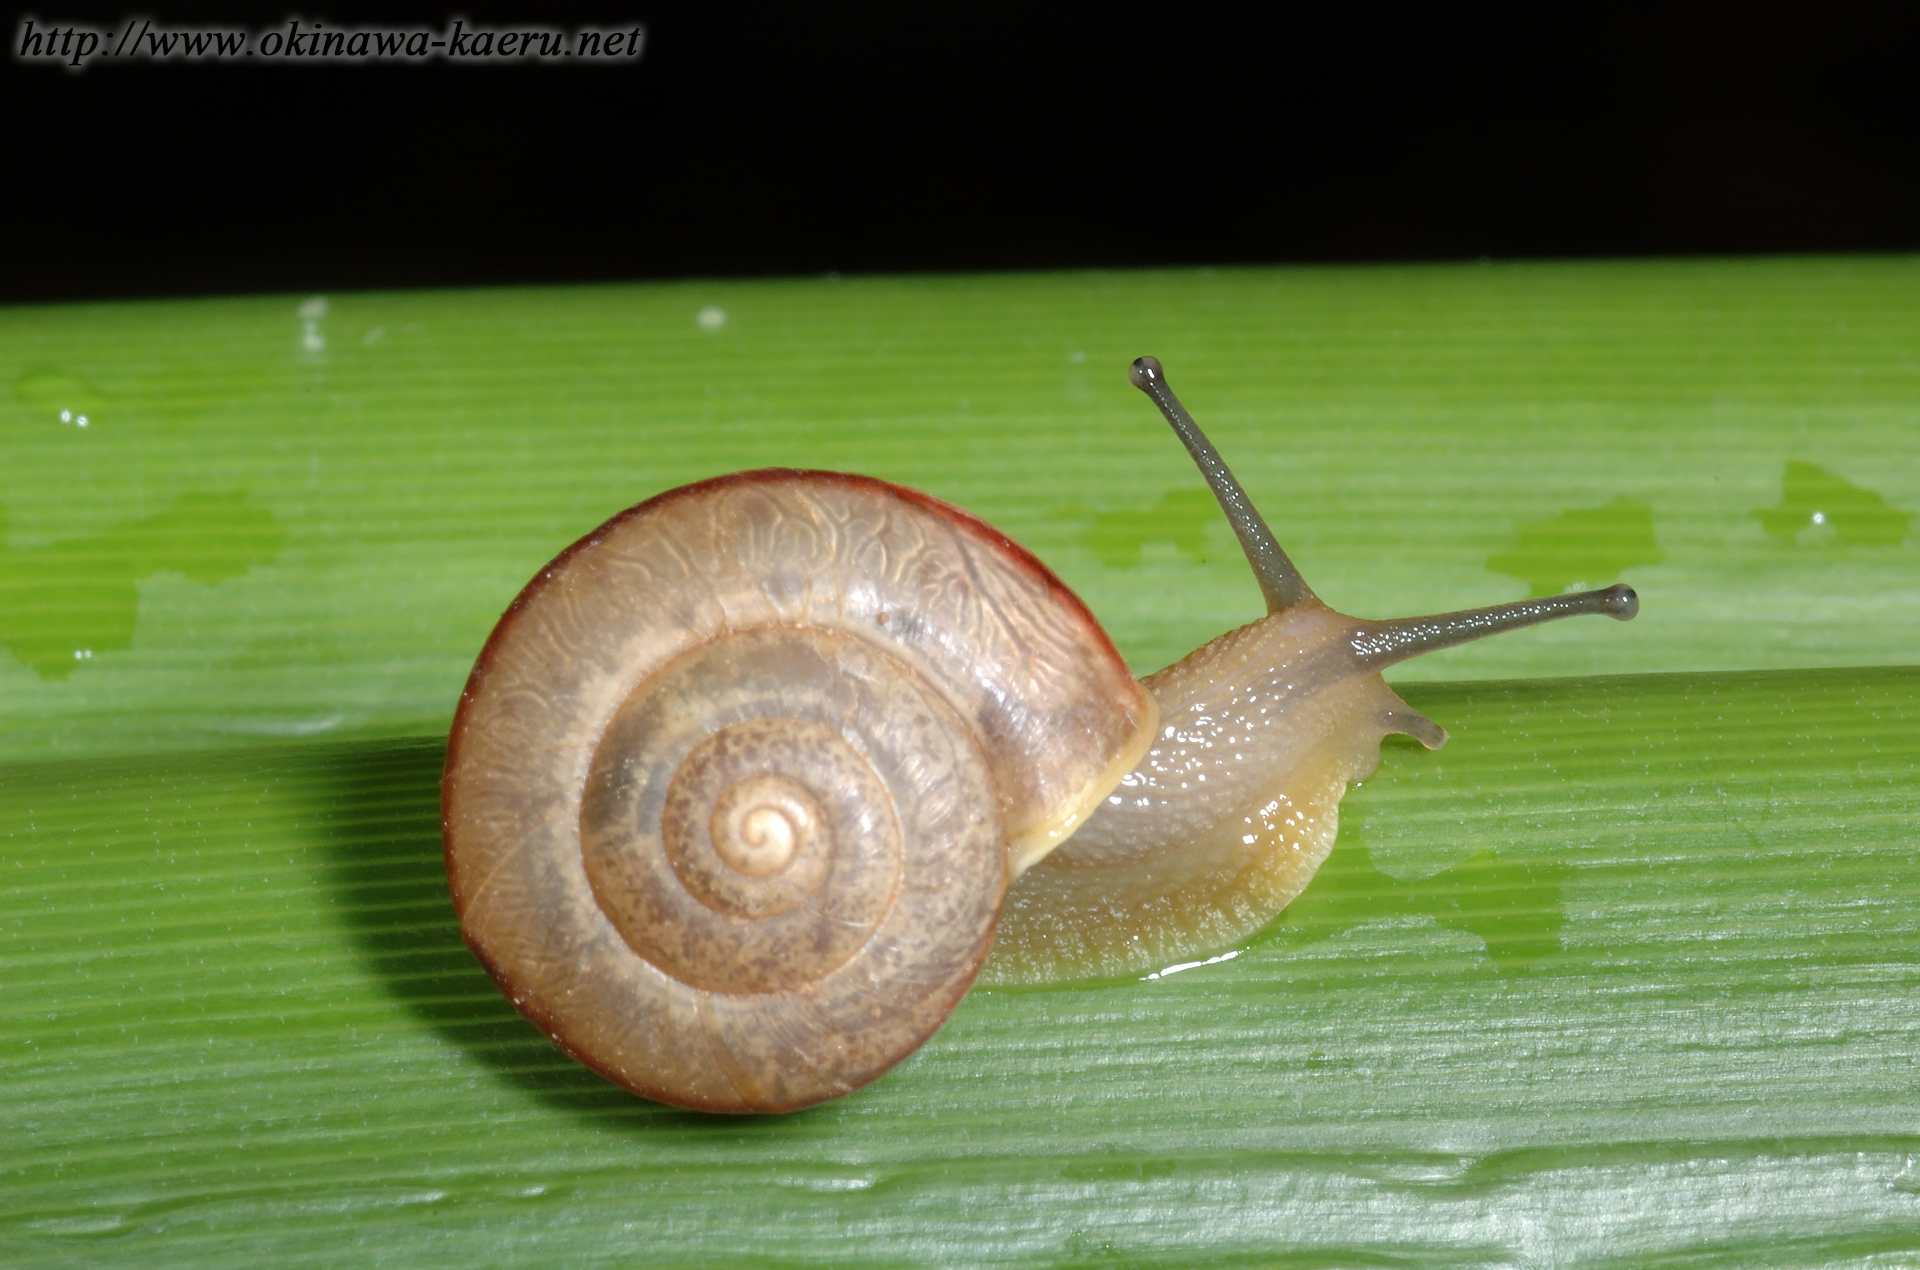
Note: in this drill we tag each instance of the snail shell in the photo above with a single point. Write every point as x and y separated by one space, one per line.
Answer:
737 786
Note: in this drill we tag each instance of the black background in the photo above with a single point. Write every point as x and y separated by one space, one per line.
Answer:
801 141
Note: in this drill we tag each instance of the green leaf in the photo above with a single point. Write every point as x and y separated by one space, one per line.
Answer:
1625 975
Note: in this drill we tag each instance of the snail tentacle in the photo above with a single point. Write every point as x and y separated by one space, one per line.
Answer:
1377 645
1280 582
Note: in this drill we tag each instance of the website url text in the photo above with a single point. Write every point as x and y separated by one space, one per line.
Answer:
76 46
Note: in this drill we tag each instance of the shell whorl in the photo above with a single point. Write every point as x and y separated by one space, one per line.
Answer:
820 744
737 787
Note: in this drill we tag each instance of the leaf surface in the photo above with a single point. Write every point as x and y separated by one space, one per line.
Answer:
1625 975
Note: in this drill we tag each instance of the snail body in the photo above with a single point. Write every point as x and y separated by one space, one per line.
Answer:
1263 730
739 786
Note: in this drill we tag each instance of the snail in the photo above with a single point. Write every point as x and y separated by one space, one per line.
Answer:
746 781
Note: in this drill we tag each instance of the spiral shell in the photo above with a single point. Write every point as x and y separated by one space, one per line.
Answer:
736 789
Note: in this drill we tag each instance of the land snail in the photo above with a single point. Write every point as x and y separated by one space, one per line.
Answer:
747 781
